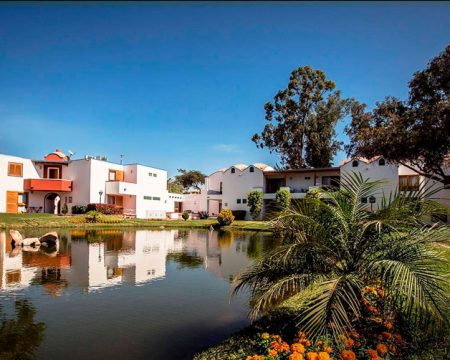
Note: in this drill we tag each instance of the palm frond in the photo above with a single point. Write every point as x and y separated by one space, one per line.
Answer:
330 305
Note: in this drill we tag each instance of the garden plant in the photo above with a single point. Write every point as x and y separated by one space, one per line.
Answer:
347 270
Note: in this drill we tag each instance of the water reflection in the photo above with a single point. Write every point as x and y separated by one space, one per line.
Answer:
20 335
95 259
146 284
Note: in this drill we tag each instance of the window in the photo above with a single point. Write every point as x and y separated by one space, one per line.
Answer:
53 173
233 170
22 198
238 201
252 169
150 174
381 162
155 174
330 181
115 175
355 163
15 169
244 201
408 182
307 177
22 202
70 199
152 198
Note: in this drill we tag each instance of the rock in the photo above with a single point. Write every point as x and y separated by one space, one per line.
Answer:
16 237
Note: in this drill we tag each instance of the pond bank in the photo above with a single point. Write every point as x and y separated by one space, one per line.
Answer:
20 221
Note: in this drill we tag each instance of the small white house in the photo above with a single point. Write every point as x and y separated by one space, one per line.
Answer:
36 185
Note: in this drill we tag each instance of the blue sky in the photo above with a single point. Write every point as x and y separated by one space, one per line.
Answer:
177 85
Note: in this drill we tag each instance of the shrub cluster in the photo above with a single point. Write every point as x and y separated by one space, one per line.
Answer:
203 215
93 216
225 217
239 214
185 215
354 346
255 203
283 199
106 209
79 209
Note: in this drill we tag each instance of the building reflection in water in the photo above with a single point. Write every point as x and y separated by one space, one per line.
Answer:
95 259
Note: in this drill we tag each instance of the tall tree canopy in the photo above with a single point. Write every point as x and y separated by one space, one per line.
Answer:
415 132
190 179
301 120
174 187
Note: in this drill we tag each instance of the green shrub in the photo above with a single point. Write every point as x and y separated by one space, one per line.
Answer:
65 209
106 209
225 217
79 209
93 216
313 193
239 214
283 199
110 219
185 215
255 203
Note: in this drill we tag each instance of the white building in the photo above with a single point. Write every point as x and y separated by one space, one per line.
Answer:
229 187
396 177
32 185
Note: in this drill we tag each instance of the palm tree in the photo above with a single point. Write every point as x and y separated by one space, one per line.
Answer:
333 247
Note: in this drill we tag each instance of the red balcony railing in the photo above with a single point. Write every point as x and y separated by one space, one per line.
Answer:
47 185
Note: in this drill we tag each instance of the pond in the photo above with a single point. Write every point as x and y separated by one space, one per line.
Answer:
115 294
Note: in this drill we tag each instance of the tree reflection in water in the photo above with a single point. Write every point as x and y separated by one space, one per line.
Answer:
20 336
185 260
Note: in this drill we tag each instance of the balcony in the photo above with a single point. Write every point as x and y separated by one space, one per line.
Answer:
60 185
299 193
120 188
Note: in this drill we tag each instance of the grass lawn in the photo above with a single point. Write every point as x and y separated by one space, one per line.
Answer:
77 221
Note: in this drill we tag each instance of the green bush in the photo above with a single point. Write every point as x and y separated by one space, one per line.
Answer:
79 209
110 219
185 215
313 193
93 216
283 199
225 217
64 209
255 203
106 209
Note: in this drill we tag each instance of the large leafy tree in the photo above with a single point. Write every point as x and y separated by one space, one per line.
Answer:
174 187
301 120
189 179
333 249
416 132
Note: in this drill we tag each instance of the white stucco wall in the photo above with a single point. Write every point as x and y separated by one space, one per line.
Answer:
195 202
151 186
13 183
373 171
238 185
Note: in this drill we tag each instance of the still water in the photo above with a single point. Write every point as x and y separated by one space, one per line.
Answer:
114 294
